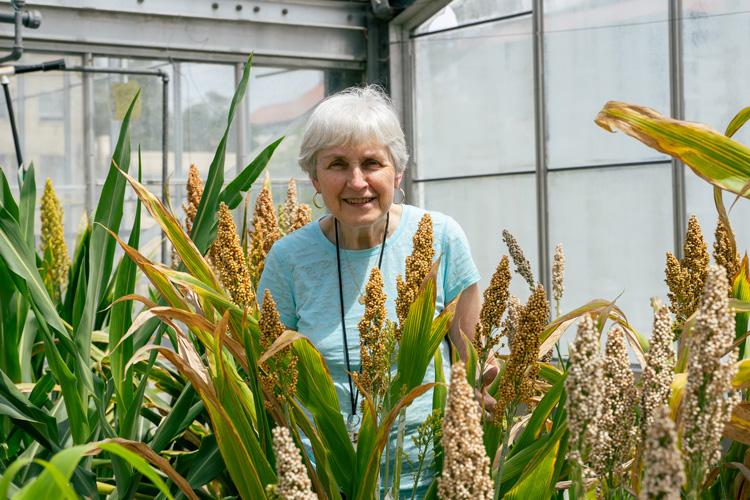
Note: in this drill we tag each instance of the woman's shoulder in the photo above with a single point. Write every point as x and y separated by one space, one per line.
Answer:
440 221
303 242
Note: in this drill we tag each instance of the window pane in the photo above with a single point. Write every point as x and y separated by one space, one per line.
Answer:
281 101
461 12
475 101
206 92
700 202
51 136
615 225
597 51
507 202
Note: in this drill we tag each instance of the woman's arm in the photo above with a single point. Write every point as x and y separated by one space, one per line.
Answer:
464 320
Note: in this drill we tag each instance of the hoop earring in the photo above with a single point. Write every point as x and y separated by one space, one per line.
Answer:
403 196
315 201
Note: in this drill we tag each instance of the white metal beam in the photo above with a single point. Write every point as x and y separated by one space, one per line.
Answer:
322 34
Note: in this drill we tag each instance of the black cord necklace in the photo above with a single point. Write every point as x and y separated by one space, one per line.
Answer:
354 397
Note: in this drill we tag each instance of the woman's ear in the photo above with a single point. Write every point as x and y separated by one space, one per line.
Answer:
397 180
315 184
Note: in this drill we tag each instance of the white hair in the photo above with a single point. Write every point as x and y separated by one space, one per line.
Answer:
354 116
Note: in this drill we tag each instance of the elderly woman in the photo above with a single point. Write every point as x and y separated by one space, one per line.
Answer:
355 153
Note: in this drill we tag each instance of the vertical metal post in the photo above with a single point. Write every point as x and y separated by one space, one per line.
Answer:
402 93
165 155
242 114
677 106
88 133
67 127
177 114
13 128
542 216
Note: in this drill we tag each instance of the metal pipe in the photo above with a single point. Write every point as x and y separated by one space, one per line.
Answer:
542 215
9 102
17 51
88 133
164 153
677 108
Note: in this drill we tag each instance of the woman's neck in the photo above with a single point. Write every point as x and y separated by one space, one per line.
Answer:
361 238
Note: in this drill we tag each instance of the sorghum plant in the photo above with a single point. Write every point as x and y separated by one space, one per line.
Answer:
53 240
584 390
706 408
466 470
558 277
685 278
520 371
418 264
725 255
229 260
490 316
614 433
294 484
523 268
659 369
664 474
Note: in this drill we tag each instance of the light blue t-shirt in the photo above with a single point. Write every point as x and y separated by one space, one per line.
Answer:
300 272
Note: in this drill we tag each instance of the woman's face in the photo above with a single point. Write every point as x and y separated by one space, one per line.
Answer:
357 182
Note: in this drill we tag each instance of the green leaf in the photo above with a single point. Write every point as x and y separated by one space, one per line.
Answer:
232 194
46 485
316 392
543 410
535 484
738 121
27 206
714 157
418 342
11 472
205 219
439 397
6 197
108 216
138 464
121 319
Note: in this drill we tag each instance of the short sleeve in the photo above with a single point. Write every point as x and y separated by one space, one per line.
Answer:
459 271
277 278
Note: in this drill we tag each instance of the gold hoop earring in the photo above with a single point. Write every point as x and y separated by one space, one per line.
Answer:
315 201
403 196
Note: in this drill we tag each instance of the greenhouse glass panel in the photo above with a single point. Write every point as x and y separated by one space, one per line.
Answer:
475 101
507 202
597 51
113 94
463 12
50 132
281 101
700 202
615 225
713 95
206 92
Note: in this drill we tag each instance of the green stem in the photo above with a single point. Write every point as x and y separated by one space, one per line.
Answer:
399 451
509 413
416 479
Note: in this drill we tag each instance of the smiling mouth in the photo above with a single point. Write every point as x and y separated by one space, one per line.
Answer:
358 201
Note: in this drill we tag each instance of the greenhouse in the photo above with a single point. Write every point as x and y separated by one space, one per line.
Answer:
374 249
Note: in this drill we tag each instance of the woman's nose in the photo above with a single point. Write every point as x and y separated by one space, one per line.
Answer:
357 178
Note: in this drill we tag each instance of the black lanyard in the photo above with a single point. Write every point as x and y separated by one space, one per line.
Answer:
354 397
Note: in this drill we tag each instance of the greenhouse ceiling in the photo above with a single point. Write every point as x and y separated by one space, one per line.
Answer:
320 33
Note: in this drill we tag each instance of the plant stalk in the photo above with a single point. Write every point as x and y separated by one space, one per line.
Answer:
509 413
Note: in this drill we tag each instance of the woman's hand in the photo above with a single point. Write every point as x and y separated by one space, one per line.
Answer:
484 399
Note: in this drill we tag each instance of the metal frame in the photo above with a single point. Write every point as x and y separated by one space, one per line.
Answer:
403 82
540 127
677 107
311 34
